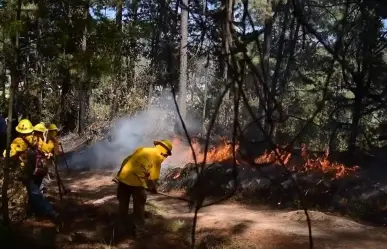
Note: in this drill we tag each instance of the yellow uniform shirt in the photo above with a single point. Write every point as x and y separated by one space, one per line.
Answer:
144 164
53 146
19 146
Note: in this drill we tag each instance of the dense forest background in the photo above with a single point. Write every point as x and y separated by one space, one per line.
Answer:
290 72
314 70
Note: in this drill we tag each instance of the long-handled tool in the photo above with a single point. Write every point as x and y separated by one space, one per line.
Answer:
64 158
59 182
161 193
169 196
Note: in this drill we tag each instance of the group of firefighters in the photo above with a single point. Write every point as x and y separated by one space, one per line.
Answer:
37 147
34 149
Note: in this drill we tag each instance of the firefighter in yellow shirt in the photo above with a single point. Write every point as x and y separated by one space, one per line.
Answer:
40 137
52 138
27 134
52 146
140 171
29 149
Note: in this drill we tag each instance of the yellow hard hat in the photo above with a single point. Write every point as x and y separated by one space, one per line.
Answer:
52 127
24 126
40 127
166 144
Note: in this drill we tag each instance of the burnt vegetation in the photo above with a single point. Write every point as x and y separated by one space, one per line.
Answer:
277 102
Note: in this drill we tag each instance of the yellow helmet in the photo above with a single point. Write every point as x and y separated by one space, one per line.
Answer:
24 126
52 127
40 127
166 144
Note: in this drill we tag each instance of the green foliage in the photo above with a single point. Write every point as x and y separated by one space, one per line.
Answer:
123 65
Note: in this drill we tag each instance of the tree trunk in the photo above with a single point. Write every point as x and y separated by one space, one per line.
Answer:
12 92
3 79
83 90
67 117
279 56
356 116
183 59
114 105
68 114
204 114
155 46
172 73
225 46
265 100
39 67
279 60
362 78
82 109
225 56
133 42
3 75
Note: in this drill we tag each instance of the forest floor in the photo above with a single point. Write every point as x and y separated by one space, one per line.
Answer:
90 213
89 216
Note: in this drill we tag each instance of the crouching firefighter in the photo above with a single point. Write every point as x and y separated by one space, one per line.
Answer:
139 172
30 150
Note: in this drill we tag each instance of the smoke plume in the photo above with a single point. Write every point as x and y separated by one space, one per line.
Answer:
158 121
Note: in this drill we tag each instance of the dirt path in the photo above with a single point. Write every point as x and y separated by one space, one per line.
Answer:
259 228
90 216
235 225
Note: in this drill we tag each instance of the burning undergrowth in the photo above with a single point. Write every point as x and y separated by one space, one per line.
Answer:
271 178
307 163
222 152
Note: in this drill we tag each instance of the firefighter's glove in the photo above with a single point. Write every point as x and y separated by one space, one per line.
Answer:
48 155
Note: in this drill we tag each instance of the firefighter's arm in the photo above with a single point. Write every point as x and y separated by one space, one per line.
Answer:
154 176
154 172
49 146
145 164
45 147
17 146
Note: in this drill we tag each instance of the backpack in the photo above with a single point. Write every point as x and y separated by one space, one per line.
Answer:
35 165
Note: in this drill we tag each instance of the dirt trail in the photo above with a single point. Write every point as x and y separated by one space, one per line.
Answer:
230 224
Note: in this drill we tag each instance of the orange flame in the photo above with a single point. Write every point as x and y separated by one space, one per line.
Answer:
316 164
220 153
279 156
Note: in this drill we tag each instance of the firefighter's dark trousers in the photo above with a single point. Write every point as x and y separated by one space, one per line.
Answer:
124 193
36 201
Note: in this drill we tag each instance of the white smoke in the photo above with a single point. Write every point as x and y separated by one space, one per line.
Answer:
128 133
